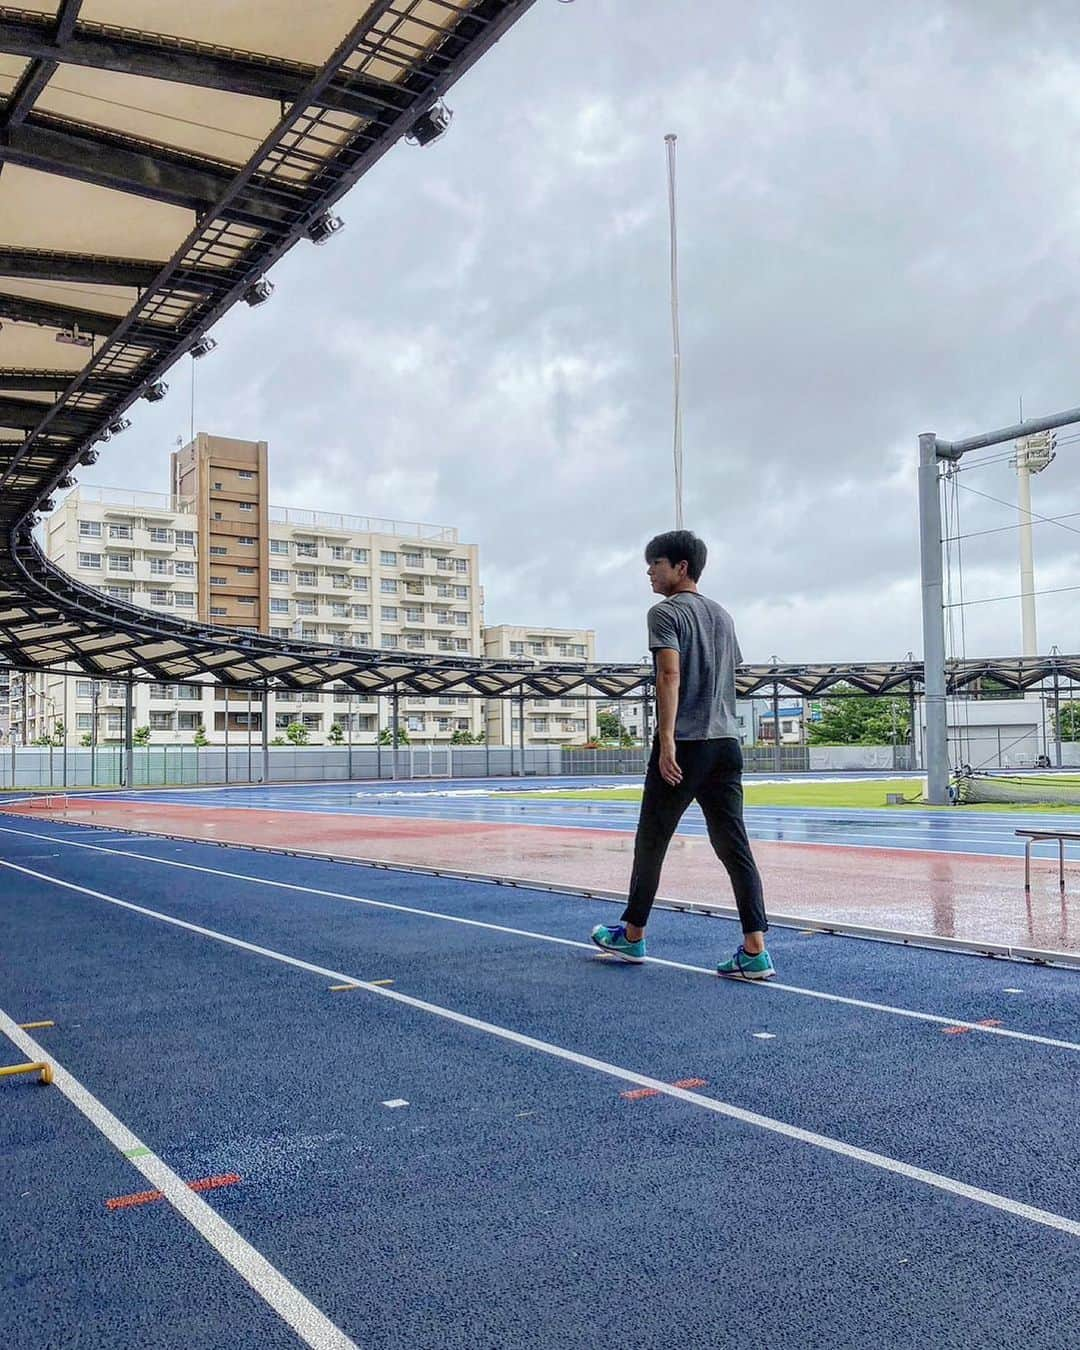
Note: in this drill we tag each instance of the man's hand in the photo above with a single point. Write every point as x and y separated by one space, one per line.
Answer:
669 767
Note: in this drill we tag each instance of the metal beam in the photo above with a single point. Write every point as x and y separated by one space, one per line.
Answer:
50 315
37 381
38 74
162 58
81 152
31 264
26 414
954 449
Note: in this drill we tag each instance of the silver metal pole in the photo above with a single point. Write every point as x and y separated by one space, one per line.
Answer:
776 726
67 730
266 734
129 734
521 729
1057 721
249 732
933 617
394 722
677 451
1027 561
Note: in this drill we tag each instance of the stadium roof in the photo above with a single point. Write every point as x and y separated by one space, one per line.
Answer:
148 180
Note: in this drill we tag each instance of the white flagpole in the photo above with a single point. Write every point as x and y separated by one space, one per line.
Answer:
677 454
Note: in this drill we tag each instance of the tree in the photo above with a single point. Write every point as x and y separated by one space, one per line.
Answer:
199 738
141 736
860 719
87 738
59 732
297 733
335 735
386 735
1068 726
610 729
278 740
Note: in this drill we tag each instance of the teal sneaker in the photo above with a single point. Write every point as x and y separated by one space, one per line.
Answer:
743 966
612 938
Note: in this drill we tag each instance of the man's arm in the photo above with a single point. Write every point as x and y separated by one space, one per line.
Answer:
667 705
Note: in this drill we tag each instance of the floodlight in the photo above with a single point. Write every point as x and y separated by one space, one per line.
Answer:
88 457
46 504
259 292
429 126
202 347
73 338
154 393
65 482
118 424
320 229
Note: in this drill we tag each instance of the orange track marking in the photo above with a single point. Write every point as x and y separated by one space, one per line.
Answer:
145 1197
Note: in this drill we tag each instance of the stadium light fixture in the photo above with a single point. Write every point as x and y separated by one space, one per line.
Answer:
66 482
322 227
202 347
154 393
89 456
119 424
71 337
431 125
259 292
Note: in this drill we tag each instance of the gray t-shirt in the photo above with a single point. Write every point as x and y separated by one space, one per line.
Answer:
703 633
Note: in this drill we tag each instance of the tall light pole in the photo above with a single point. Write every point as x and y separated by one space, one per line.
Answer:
669 141
1033 454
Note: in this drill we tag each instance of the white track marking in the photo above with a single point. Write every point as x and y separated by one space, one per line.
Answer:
776 985
312 1326
852 1152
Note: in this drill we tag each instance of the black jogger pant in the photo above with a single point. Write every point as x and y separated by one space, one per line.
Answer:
712 776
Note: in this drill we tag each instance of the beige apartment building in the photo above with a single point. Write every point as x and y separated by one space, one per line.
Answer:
548 721
214 550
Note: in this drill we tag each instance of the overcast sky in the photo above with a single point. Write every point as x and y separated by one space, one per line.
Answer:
879 235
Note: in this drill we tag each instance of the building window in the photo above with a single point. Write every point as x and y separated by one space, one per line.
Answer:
218 550
120 562
219 581
279 576
161 721
244 473
218 487
444 564
337 552
279 606
359 583
185 539
414 723
360 555
89 529
360 611
279 546
279 632
305 578
388 586
158 535
461 564
185 599
120 532
460 617
305 606
84 721
184 569
92 561
461 644
389 614
306 550
246 506
159 567
461 592
517 649
84 688
245 539
413 559
246 599
443 591
414 616
389 641
387 558
159 597
245 571
186 693
218 611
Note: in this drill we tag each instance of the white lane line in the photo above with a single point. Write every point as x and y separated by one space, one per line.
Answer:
822 1141
312 1326
776 985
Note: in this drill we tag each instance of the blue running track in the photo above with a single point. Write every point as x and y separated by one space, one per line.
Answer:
862 1164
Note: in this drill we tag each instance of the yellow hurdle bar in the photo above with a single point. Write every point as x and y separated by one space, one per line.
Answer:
44 1069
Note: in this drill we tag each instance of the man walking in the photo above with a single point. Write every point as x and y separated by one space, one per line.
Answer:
696 755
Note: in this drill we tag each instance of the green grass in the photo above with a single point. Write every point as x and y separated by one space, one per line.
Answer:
865 793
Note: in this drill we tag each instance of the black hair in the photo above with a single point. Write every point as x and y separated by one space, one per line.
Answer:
679 546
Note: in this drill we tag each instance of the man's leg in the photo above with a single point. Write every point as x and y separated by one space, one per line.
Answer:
720 796
662 807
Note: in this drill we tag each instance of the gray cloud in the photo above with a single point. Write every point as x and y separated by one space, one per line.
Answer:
877 215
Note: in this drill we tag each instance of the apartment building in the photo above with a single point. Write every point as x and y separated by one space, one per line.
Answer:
215 550
548 721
